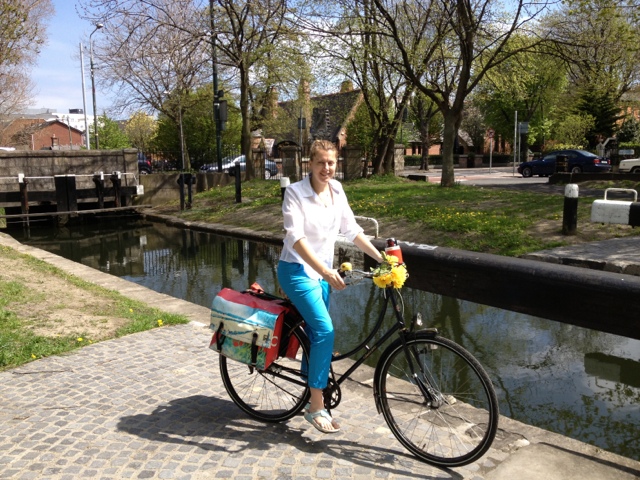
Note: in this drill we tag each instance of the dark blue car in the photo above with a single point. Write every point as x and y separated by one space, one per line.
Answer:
577 161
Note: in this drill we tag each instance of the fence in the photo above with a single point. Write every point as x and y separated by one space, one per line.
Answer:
351 164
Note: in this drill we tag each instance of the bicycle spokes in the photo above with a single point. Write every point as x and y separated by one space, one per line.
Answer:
437 400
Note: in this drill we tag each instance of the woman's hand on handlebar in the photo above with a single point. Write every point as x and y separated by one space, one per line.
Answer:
334 278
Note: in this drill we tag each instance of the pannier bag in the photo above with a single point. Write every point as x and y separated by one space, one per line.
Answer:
247 328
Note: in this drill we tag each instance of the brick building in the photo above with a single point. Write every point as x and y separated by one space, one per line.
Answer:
40 134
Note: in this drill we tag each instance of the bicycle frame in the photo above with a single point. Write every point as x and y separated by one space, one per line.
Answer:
399 327
389 295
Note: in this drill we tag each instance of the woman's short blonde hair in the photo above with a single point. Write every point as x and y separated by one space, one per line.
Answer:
321 146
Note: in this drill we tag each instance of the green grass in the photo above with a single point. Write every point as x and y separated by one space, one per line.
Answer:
19 344
491 220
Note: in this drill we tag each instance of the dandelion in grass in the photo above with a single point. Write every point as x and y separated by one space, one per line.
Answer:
80 339
160 322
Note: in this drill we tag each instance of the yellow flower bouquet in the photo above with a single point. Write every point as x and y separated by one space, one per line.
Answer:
390 273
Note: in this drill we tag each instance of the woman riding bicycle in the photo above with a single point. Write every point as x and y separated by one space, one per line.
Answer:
315 210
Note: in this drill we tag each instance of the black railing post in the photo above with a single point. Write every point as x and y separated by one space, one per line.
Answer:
238 183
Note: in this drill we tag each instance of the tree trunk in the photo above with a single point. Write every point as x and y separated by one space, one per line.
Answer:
451 121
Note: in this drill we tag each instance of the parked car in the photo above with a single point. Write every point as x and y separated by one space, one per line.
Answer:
578 161
631 165
144 164
228 165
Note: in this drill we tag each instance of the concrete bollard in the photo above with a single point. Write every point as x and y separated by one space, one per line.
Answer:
570 213
284 183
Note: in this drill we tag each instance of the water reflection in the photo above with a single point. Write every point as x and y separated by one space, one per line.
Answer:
581 383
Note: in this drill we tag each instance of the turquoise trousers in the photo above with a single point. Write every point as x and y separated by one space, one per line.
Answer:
311 298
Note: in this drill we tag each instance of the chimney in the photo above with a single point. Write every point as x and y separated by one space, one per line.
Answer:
346 86
273 102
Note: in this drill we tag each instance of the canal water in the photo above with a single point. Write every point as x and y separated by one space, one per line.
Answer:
577 382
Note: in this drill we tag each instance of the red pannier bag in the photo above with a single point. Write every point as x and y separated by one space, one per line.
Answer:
248 327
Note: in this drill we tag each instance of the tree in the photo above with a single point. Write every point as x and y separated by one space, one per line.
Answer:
630 130
529 83
199 128
426 117
22 34
599 42
140 129
572 131
246 33
346 34
445 48
156 54
111 135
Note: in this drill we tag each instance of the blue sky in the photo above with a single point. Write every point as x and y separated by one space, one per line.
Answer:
57 77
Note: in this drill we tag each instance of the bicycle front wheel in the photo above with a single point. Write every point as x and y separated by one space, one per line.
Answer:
442 407
272 395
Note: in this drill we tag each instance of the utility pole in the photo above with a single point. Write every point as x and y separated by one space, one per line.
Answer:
216 94
84 102
93 86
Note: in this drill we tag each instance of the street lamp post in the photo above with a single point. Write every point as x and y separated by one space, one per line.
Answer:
216 94
84 101
93 86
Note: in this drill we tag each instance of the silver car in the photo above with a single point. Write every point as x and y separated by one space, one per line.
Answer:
228 165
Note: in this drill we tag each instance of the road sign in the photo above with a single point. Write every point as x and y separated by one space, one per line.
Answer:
491 132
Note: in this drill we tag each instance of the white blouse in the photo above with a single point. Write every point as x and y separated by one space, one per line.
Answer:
306 216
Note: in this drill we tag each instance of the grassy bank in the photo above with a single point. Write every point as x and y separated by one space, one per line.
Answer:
493 220
37 321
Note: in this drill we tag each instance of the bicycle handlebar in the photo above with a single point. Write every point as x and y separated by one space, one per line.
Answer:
353 276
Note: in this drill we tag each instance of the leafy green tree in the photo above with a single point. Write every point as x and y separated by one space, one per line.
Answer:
198 130
247 34
630 130
141 128
603 107
599 42
110 135
572 131
444 49
529 83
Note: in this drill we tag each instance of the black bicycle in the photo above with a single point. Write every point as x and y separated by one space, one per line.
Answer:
434 395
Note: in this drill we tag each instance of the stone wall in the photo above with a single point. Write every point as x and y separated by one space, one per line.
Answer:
163 188
40 167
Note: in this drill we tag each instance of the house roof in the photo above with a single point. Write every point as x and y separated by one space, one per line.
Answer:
338 108
17 131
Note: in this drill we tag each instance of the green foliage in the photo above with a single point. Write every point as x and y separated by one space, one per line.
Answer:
603 108
362 131
198 130
141 129
530 83
573 130
110 135
629 130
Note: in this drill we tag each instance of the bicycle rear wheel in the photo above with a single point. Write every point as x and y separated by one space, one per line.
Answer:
273 395
459 424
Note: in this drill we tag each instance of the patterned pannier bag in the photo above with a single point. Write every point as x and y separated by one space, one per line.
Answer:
247 328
